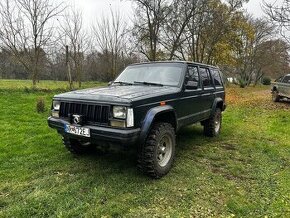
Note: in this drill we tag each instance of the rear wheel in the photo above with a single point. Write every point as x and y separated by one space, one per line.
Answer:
75 146
212 126
156 156
275 96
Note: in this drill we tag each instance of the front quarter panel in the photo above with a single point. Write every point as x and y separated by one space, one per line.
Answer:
149 119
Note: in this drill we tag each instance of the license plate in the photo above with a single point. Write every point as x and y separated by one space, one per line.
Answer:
82 131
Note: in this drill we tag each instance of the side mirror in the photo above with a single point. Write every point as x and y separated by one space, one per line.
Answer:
191 85
110 83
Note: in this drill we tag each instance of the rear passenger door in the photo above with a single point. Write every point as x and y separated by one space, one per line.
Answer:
207 96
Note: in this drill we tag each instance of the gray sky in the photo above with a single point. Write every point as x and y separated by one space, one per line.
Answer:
254 7
93 9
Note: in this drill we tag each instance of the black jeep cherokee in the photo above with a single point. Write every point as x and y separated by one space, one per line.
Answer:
145 106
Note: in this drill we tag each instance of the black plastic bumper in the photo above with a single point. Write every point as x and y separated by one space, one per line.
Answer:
120 136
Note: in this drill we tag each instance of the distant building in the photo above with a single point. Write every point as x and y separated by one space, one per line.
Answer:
232 80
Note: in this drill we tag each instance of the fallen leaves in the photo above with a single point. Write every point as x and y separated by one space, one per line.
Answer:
254 97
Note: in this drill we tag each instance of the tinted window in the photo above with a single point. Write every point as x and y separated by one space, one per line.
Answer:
205 77
216 78
286 79
193 74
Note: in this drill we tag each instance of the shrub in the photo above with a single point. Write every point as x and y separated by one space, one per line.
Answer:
242 83
266 81
40 105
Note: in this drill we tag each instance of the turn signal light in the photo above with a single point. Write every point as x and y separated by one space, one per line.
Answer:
162 103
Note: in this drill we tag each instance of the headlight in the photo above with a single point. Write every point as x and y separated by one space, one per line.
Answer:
126 116
56 105
119 112
55 109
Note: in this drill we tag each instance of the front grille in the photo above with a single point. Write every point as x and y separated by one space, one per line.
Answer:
96 114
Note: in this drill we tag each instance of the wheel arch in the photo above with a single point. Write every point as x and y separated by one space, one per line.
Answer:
218 103
161 113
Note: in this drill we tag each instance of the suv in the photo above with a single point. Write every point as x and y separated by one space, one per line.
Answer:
281 88
145 106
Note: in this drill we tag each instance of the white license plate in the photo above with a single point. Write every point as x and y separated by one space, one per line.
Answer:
82 131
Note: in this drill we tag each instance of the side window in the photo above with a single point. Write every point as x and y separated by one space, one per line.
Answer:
216 78
193 74
286 79
205 77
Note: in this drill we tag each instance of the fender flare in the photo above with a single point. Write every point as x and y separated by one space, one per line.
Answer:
275 87
149 119
215 103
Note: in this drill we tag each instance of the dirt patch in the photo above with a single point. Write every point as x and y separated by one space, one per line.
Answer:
228 147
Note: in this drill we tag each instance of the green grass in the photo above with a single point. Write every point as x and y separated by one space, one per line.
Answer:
244 172
43 85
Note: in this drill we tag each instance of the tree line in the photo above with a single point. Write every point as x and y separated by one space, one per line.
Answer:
40 39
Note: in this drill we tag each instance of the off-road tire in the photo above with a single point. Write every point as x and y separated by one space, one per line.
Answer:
210 125
75 146
149 161
275 96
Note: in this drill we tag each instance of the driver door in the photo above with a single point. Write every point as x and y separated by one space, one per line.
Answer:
189 104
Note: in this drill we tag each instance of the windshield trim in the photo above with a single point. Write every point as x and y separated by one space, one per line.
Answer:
180 82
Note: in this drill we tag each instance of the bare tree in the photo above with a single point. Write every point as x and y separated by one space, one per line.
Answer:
279 14
149 19
76 38
173 36
25 30
110 34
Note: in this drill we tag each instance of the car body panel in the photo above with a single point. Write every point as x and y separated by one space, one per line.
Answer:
282 85
147 101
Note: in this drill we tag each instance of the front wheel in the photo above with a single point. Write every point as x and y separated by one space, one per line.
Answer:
156 156
212 126
275 96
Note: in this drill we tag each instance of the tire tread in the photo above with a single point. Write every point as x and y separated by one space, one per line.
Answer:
146 163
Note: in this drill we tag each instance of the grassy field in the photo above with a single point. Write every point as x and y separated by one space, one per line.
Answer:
243 173
44 86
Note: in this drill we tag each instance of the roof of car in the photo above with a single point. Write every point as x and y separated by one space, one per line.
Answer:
180 62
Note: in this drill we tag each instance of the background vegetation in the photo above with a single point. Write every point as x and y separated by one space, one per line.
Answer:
244 172
40 39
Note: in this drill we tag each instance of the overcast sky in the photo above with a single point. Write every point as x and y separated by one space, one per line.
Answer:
93 9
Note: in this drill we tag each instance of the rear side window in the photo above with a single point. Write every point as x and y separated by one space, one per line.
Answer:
193 74
205 77
217 78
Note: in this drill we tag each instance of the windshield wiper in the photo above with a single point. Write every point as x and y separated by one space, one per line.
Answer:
123 83
148 83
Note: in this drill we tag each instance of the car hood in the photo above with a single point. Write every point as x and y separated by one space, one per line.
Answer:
119 94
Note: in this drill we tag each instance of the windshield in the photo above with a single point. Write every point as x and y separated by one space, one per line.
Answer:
149 74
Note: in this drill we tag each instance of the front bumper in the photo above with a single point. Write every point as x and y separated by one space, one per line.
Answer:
120 136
